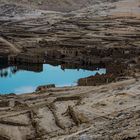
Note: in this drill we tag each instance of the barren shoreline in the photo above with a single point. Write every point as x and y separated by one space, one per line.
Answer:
103 112
106 33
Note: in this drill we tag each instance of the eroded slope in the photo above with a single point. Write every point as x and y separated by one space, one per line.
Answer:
105 112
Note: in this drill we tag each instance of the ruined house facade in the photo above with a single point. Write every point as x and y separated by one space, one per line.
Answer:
87 56
58 53
26 58
44 87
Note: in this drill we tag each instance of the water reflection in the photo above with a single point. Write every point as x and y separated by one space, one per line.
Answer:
24 78
8 71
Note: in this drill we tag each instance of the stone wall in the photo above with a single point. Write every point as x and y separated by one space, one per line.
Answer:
26 58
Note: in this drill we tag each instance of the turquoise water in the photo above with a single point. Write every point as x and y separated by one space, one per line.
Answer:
26 81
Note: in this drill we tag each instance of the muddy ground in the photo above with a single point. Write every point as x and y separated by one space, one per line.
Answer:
108 31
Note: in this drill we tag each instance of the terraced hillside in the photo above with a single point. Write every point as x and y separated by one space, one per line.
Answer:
102 20
104 25
100 32
109 112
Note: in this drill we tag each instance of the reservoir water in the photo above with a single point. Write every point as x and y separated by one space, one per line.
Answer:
18 80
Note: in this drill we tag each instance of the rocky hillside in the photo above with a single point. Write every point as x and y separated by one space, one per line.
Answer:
104 24
110 30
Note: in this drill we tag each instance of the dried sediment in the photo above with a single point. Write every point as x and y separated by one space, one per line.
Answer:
104 112
101 112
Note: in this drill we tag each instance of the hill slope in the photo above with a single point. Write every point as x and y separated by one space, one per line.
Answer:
54 5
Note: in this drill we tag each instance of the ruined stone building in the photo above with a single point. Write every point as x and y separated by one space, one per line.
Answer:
26 58
96 80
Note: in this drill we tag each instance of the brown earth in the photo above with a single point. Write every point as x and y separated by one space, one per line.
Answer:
109 112
104 24
103 32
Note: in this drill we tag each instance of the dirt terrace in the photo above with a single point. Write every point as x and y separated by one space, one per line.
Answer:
104 112
105 24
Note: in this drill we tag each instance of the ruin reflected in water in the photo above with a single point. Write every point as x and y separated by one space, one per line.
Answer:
26 78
